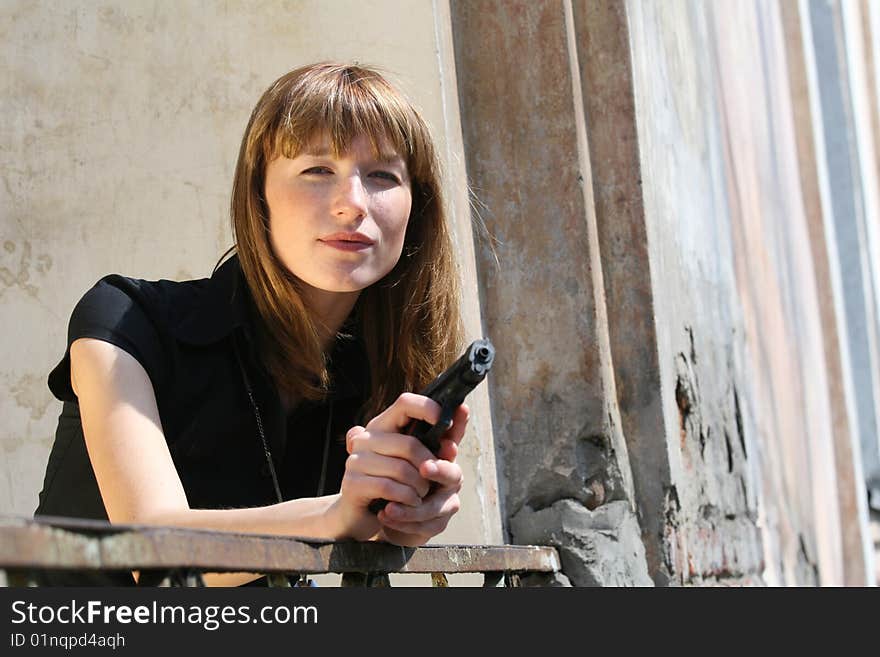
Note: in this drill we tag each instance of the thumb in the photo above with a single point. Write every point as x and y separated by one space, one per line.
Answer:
406 408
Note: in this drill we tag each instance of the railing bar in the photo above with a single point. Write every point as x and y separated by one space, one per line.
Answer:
26 544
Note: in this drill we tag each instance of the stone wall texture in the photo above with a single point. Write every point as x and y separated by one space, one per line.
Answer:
683 198
668 217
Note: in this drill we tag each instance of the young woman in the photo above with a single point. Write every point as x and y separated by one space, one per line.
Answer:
271 397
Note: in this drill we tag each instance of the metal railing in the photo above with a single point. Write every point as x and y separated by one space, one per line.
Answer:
169 556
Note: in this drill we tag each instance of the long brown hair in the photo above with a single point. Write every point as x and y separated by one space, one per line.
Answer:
410 319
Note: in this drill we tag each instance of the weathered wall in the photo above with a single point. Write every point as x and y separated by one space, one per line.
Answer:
675 361
695 268
813 173
121 124
749 296
837 48
736 305
842 55
682 279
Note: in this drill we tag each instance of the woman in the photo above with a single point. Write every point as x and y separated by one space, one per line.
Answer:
271 397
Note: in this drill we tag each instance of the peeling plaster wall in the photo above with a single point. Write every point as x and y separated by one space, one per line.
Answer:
121 125
735 298
704 233
708 299
705 522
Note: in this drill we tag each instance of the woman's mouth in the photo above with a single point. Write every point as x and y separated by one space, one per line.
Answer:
344 245
347 241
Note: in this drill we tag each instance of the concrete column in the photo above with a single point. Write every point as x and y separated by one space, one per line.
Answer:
605 66
667 261
555 414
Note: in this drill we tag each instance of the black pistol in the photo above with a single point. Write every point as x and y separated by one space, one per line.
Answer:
449 390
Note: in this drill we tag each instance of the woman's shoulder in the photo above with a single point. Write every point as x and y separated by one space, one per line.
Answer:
134 314
162 300
197 311
133 306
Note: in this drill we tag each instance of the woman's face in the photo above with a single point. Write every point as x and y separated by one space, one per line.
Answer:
338 223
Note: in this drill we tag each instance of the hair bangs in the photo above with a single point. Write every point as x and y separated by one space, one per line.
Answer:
342 103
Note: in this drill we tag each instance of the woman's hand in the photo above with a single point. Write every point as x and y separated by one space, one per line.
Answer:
383 463
412 526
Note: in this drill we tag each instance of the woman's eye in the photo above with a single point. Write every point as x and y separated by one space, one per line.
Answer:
386 175
317 170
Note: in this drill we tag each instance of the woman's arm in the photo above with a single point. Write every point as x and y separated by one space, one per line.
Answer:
139 483
132 463
133 466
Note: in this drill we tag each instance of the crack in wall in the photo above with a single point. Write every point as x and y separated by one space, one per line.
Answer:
710 532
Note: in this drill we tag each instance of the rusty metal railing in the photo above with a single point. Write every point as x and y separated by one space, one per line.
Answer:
178 557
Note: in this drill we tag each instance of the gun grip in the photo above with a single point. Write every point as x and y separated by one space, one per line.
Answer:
376 506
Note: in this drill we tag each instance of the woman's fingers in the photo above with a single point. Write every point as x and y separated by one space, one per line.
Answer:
367 488
397 417
421 487
379 457
388 444
427 519
422 530
410 525
377 465
448 450
354 431
444 501
448 475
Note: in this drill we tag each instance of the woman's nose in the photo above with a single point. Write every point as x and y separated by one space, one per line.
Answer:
351 198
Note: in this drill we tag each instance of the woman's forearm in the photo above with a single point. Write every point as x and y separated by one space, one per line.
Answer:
307 517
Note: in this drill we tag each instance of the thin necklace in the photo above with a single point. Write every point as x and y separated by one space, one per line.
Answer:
266 450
